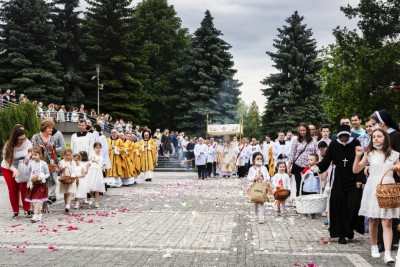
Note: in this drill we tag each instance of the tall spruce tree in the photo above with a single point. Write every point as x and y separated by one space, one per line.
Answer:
160 41
108 41
294 94
252 123
206 81
27 50
68 32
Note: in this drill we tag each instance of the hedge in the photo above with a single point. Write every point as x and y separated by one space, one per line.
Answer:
24 114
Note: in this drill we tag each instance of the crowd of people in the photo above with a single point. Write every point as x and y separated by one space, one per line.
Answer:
33 168
345 166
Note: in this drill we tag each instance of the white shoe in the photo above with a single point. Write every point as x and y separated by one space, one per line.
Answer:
388 259
96 205
375 252
76 205
34 218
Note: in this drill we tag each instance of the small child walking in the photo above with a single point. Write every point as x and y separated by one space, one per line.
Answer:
37 193
312 183
258 172
95 174
81 191
67 167
281 181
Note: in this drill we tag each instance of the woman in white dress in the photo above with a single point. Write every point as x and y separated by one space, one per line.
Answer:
380 158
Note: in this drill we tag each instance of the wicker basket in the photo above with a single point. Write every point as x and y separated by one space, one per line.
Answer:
66 179
282 194
309 204
35 180
52 167
388 195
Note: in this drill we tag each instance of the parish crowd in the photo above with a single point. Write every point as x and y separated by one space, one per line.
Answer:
33 168
345 168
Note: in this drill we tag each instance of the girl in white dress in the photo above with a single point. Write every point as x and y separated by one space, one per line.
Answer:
82 190
94 175
380 158
281 181
67 167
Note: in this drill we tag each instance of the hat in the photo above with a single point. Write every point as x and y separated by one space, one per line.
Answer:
344 129
384 117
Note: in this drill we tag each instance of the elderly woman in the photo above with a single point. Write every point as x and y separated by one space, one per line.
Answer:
45 140
303 146
17 150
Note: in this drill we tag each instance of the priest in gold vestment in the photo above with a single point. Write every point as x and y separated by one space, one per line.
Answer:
147 151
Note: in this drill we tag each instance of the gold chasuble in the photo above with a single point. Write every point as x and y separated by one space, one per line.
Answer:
127 159
114 152
147 152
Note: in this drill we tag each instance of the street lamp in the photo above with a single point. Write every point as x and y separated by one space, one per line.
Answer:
98 87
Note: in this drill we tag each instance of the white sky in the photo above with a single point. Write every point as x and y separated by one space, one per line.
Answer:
251 25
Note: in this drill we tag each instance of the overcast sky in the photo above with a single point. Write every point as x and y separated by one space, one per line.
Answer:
251 25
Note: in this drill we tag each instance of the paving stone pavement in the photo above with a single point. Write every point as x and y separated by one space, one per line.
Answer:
176 220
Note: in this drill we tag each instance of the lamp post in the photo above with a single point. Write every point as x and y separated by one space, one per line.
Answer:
98 87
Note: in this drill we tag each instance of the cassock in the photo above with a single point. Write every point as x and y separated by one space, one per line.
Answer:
82 142
281 148
345 197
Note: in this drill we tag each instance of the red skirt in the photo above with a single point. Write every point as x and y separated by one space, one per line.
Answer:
38 193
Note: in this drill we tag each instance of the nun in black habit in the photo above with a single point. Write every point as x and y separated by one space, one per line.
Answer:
346 192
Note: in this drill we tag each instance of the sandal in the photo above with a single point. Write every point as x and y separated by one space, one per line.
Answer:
28 213
16 216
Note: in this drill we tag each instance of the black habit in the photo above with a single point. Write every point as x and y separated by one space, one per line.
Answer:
345 198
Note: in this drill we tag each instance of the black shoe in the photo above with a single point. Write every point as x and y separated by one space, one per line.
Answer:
350 236
28 213
342 240
49 201
16 216
148 180
313 216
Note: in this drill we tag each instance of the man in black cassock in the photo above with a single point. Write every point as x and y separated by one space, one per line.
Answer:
346 192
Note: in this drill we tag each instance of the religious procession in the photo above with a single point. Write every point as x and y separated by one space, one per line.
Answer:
348 177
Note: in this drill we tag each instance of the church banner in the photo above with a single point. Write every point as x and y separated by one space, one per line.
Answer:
217 129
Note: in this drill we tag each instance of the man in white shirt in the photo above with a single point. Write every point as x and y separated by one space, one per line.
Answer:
242 157
253 148
82 140
200 154
325 132
265 150
210 157
356 123
214 162
281 149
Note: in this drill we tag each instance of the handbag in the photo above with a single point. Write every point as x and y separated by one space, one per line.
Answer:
24 173
258 192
